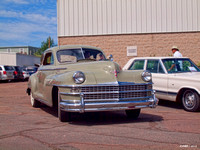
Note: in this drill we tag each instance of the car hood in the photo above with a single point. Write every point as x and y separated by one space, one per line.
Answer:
101 72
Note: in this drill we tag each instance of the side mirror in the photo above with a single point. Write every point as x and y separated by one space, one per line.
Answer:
110 57
37 65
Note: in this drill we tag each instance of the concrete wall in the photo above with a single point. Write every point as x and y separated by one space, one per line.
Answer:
147 44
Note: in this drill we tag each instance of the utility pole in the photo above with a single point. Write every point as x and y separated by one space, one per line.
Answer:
49 41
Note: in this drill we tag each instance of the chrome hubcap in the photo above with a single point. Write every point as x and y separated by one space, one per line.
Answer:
189 99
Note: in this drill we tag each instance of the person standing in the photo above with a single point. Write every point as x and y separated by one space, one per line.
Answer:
176 52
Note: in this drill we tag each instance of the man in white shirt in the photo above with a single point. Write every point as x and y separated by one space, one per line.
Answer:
176 52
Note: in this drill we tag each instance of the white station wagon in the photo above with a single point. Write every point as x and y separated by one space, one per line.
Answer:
175 79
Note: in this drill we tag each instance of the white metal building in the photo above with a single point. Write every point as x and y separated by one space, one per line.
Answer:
97 17
86 18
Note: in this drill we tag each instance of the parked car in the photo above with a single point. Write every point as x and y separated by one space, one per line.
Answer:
175 79
18 74
81 79
6 72
25 73
31 69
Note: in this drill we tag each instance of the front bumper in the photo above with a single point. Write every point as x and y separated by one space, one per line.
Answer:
113 97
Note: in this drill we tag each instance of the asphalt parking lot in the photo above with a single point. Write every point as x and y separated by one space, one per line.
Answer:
23 127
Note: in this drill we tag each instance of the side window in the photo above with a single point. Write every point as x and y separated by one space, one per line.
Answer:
48 59
0 68
154 66
137 65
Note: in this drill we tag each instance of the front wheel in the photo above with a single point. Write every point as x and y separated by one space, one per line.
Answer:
34 102
191 101
133 113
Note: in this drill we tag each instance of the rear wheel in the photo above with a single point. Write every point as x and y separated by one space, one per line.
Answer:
63 115
191 101
34 102
133 113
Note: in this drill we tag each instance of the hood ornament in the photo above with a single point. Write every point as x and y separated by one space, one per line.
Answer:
116 72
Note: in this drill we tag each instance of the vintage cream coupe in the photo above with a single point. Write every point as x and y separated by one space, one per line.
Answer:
175 79
80 79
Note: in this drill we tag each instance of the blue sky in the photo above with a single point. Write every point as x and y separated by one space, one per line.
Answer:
27 22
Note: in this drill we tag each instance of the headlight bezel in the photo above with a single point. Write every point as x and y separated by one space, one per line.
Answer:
146 76
79 77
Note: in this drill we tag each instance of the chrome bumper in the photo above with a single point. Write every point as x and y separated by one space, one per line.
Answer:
81 107
84 105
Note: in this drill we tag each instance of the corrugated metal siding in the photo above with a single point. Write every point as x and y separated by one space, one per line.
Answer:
98 17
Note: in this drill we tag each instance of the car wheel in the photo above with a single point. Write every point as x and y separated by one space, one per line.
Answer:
191 101
63 115
133 113
34 102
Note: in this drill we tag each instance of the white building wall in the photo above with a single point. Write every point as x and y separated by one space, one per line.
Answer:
8 59
100 17
14 59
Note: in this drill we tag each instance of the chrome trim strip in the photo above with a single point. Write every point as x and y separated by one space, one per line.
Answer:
115 99
70 94
166 93
118 99
52 69
115 92
71 101
96 85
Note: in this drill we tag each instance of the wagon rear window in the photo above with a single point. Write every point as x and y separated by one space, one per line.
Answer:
7 68
137 65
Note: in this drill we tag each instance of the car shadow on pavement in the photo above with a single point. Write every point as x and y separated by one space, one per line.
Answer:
115 117
171 104
104 118
52 111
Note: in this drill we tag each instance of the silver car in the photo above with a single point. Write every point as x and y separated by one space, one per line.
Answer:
6 72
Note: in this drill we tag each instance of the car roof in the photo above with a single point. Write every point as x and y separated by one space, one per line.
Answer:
157 58
72 47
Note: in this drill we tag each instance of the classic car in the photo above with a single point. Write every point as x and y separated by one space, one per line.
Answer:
81 79
175 79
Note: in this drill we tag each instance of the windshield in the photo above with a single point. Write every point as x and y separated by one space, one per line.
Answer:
179 65
74 55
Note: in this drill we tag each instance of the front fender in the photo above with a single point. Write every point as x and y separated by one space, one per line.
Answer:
32 83
67 79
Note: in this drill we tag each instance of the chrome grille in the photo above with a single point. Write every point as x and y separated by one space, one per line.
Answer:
113 88
115 95
99 89
114 92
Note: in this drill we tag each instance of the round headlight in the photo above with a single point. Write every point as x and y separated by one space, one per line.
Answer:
146 76
79 77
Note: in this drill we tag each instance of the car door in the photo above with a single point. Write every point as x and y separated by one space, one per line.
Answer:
45 71
159 77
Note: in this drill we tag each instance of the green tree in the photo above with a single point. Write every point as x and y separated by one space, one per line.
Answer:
45 45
